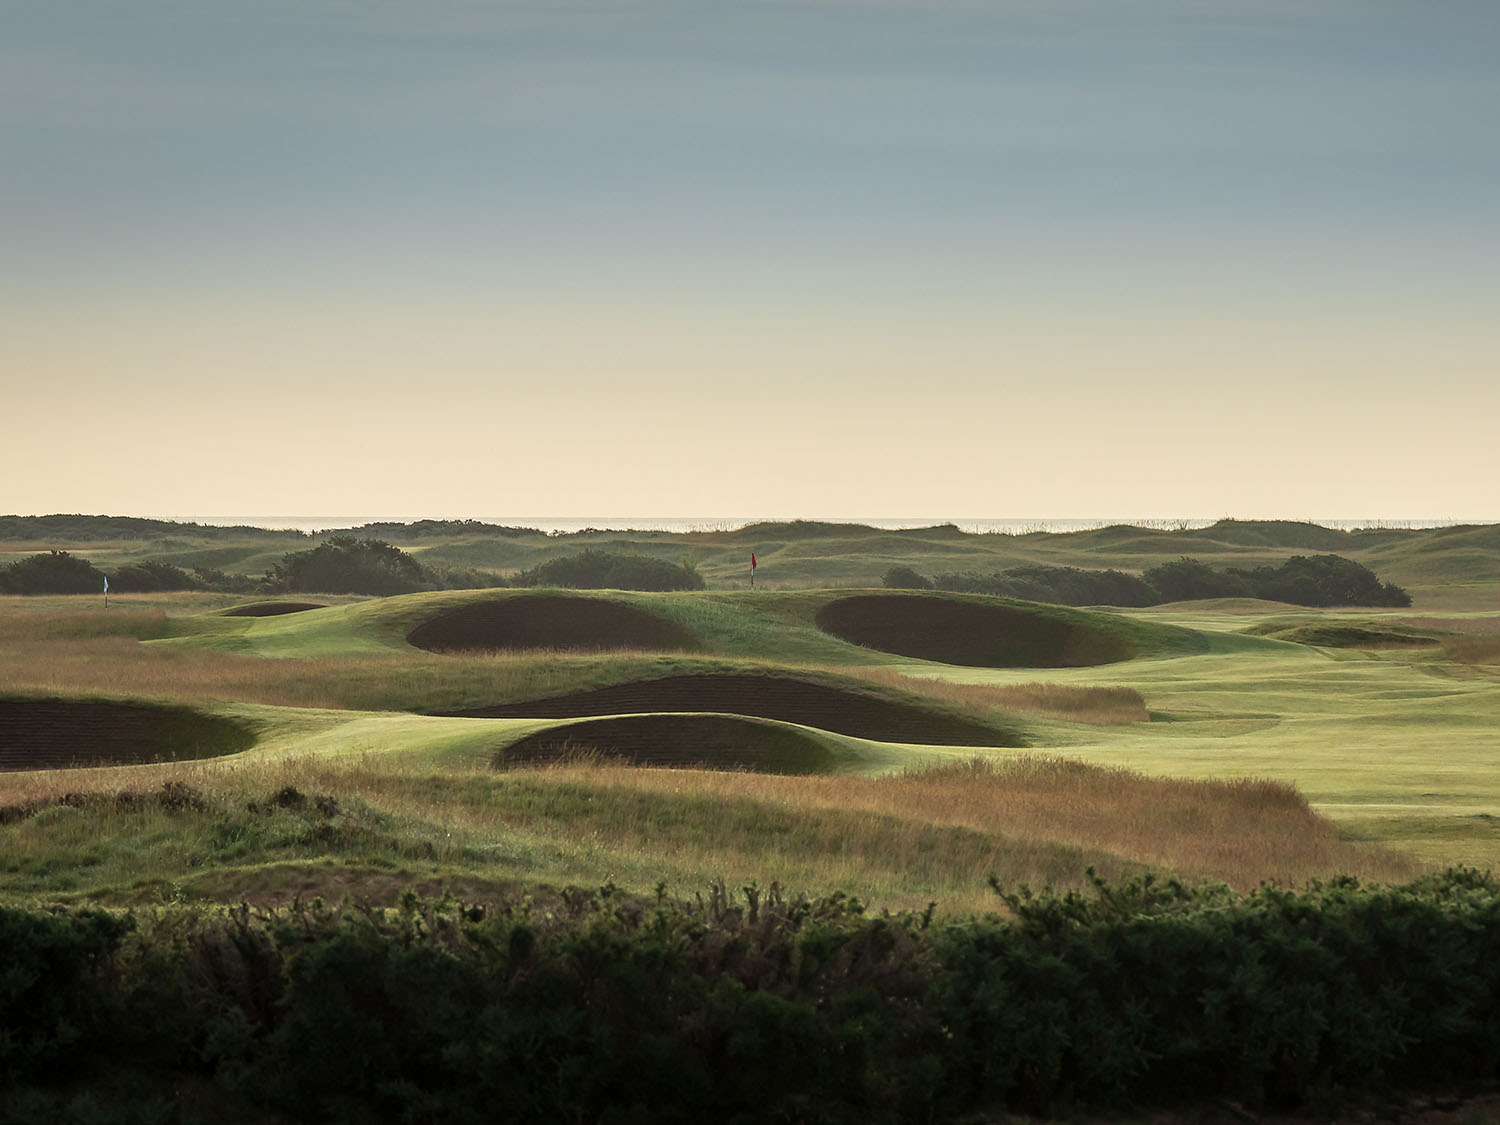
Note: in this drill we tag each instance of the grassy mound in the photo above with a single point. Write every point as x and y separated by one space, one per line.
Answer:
270 609
725 742
974 633
548 621
788 699
1336 634
49 734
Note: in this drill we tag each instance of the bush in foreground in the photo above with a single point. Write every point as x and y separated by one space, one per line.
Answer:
600 1007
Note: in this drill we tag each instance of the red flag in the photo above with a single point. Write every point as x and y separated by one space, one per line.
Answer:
752 560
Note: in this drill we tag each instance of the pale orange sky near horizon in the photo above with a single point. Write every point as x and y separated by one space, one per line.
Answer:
948 260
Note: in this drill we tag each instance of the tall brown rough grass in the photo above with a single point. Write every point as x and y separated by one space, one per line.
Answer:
1105 706
1474 648
1242 832
895 842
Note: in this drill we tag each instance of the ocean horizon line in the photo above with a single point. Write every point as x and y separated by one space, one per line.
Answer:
1014 525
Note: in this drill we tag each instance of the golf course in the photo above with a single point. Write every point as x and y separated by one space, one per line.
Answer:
821 730
451 822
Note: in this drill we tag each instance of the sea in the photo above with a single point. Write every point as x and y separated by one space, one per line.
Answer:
1003 526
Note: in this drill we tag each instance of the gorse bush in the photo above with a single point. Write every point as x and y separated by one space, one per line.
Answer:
599 570
755 1006
1318 580
1324 580
346 565
905 578
1188 580
1059 585
54 573
1311 580
146 577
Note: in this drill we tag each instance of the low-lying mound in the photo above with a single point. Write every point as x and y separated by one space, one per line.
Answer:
546 622
270 609
1332 634
850 711
49 734
971 633
725 742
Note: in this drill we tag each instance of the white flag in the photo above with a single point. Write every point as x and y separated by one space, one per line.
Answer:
106 583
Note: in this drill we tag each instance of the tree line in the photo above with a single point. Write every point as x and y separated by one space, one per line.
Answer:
1310 580
344 564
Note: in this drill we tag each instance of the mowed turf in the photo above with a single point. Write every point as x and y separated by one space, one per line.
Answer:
1397 745
787 626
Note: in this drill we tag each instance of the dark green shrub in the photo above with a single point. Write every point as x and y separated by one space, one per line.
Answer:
54 992
905 578
1057 585
146 577
1189 580
599 570
345 565
599 1007
1323 580
211 578
55 573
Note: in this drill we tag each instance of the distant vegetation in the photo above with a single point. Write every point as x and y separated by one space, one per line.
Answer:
1059 585
54 573
1317 580
346 565
436 529
598 570
142 578
93 528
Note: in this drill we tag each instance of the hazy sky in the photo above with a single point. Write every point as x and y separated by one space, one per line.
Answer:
787 257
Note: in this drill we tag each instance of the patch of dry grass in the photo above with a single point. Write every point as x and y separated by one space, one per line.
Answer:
55 626
1242 832
1473 648
1104 706
896 842
1466 625
118 665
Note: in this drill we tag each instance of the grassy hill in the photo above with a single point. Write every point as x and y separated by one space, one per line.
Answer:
1445 568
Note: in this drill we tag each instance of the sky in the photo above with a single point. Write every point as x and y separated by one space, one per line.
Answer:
799 258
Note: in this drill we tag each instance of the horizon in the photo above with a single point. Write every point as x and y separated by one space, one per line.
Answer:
315 523
832 255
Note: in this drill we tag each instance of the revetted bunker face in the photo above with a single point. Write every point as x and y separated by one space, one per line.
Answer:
968 633
723 742
549 622
270 609
50 734
790 700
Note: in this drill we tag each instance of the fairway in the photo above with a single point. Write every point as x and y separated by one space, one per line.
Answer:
1394 744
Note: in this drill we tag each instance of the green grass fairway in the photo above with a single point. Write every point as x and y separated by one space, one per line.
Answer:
1397 744
762 624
